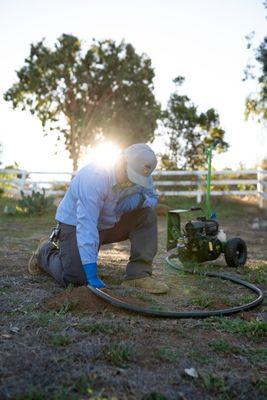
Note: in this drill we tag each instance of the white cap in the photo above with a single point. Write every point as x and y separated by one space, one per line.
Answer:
141 162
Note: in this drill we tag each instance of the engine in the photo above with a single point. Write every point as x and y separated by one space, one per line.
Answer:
200 242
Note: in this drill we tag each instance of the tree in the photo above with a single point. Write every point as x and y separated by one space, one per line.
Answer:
256 103
106 91
190 132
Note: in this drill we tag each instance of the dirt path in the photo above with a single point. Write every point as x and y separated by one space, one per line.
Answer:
65 344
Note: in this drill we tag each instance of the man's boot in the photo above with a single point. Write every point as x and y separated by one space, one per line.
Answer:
33 266
149 284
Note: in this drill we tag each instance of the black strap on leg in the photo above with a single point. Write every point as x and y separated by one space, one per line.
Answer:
54 236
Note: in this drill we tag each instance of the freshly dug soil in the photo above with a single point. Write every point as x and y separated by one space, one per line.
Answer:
80 300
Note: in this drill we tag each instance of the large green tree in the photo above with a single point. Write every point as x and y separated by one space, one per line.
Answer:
84 95
256 103
190 132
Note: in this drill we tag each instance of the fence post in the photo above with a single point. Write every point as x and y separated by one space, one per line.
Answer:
260 186
199 187
22 180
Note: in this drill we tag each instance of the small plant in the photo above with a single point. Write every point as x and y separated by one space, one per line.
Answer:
248 298
108 328
68 306
119 353
223 346
49 319
202 301
34 393
35 204
255 274
75 391
215 384
199 356
166 354
262 384
254 355
61 340
156 308
251 329
10 209
155 396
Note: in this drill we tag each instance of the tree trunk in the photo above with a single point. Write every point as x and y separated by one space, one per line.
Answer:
74 147
74 163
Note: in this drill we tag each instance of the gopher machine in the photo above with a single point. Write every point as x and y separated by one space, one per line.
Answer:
200 239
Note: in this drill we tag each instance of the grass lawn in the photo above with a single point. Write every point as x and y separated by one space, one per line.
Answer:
62 344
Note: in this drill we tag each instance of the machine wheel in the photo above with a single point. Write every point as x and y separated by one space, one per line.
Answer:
235 252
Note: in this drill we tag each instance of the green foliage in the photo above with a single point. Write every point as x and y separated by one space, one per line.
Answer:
75 391
190 132
11 210
252 329
255 355
68 306
104 91
167 354
119 353
49 319
167 162
155 396
216 384
202 301
255 274
199 356
223 346
61 340
107 328
256 103
262 385
34 393
7 177
35 203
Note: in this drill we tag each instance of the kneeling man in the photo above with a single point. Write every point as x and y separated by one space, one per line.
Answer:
105 205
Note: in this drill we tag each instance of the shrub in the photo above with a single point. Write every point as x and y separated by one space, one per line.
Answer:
34 204
119 353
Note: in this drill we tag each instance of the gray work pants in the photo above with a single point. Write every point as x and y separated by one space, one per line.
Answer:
140 226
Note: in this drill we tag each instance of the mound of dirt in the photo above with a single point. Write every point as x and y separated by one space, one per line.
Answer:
81 299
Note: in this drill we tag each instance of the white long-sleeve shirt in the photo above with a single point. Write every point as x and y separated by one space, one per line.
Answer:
90 205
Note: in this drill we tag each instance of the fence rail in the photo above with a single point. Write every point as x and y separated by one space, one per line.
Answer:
168 183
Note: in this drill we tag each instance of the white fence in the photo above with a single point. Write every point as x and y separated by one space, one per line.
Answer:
169 183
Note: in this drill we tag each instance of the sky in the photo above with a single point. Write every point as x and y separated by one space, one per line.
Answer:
203 40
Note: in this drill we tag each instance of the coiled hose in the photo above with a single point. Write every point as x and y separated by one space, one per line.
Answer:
186 314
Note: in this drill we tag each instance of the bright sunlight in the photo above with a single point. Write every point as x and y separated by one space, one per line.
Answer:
105 153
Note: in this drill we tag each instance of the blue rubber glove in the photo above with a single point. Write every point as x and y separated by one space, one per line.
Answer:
213 215
129 203
92 278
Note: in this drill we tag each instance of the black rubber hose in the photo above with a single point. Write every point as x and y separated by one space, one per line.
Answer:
186 314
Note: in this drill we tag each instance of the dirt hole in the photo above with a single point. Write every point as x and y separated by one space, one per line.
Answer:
80 299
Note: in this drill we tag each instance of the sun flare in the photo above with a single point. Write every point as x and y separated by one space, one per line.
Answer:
104 154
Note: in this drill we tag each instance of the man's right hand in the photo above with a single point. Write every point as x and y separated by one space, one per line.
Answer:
92 278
